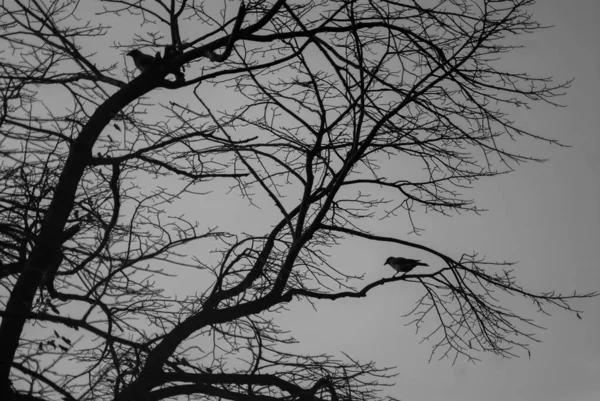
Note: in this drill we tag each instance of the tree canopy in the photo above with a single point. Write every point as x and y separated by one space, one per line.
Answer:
126 270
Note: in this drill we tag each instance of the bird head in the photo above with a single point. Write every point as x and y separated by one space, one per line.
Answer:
389 261
134 53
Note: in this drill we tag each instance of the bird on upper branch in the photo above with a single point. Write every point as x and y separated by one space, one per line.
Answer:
403 265
144 62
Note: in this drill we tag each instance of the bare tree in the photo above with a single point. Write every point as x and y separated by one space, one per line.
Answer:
305 109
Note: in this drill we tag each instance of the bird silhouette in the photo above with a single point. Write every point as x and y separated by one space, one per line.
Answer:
144 62
403 265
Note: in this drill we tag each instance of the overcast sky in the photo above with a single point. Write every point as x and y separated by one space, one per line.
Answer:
546 216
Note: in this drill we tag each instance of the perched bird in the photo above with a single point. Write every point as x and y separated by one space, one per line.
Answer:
403 265
144 62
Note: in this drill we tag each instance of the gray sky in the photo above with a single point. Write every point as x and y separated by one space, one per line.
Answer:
546 216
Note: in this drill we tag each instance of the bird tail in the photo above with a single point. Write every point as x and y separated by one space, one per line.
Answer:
422 264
